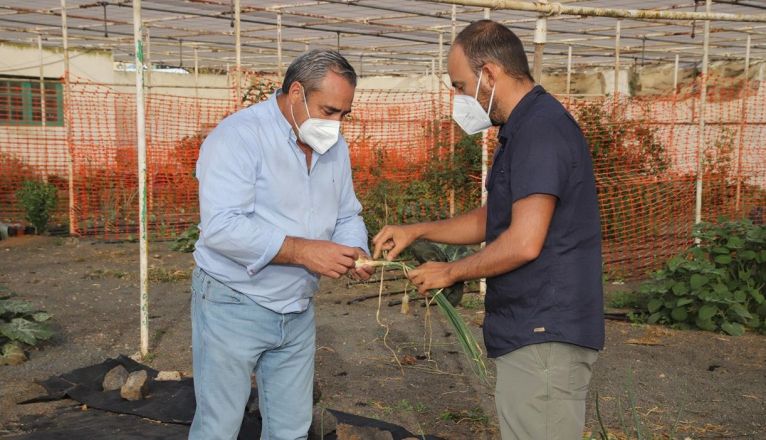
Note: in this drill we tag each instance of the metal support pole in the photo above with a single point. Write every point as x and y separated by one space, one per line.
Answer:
42 80
452 123
541 29
67 120
454 22
197 106
441 63
703 101
141 143
673 107
434 84
148 59
237 52
484 171
557 8
569 71
279 43
743 124
617 60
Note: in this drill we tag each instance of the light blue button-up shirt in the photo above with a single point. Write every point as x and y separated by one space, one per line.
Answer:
254 190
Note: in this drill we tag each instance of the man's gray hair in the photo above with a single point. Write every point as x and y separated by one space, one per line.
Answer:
310 68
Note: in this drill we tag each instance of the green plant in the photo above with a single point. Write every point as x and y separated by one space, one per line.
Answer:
13 172
465 337
473 415
185 242
717 285
21 324
39 199
389 201
259 90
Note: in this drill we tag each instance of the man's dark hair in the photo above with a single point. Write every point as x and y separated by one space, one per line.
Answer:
310 68
486 40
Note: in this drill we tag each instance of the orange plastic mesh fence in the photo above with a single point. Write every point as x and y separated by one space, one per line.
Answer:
402 145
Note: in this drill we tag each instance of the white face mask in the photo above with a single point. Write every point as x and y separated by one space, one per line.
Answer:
319 134
468 112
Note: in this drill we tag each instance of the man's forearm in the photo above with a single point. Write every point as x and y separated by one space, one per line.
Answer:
497 258
289 252
469 228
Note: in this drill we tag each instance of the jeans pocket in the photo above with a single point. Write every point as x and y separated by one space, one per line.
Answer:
216 292
197 280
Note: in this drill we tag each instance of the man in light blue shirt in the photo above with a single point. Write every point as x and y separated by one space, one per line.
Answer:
278 211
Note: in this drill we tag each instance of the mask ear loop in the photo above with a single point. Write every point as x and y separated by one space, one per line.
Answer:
491 96
292 113
305 101
478 84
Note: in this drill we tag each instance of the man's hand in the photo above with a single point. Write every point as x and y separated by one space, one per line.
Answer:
393 239
362 273
324 257
432 275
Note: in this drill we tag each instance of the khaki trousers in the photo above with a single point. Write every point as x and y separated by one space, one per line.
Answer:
541 390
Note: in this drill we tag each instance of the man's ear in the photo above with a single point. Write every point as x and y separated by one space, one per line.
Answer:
492 73
295 93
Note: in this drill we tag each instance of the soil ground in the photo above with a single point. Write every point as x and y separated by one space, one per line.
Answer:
706 384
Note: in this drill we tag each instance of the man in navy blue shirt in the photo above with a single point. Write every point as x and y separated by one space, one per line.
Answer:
544 318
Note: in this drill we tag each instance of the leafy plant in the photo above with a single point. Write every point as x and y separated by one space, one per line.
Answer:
716 285
472 415
13 172
389 201
185 242
39 199
259 90
21 324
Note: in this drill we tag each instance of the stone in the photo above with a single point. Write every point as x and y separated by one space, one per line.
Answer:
168 376
115 378
323 422
136 386
350 432
12 354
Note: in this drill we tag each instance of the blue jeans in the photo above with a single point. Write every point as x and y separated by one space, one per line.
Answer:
232 336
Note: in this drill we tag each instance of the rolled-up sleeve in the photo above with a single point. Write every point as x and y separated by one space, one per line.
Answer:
227 173
349 228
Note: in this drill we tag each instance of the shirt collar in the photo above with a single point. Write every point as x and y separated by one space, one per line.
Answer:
521 109
282 123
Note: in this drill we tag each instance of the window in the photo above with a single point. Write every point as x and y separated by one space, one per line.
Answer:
20 102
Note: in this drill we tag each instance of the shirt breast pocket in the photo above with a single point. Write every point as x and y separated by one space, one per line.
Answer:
500 174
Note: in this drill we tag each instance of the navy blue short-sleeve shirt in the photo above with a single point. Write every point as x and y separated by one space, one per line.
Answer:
558 297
